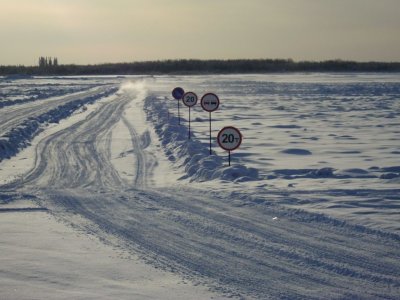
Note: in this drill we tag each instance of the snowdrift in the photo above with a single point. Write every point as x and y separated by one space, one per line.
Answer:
36 94
20 137
191 155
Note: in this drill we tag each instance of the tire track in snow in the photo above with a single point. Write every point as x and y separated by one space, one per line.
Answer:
141 173
242 249
232 244
12 116
79 156
28 122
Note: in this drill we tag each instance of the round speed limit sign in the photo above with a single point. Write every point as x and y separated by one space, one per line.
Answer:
209 102
229 138
189 99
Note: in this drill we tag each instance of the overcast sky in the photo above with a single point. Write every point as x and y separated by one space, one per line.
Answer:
96 31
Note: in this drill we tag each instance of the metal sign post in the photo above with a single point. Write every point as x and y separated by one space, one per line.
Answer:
229 138
189 99
178 93
210 102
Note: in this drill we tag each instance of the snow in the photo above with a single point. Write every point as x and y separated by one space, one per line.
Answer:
192 155
20 135
42 258
310 135
145 146
103 196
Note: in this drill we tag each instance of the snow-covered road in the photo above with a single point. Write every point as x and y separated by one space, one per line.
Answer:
237 244
12 116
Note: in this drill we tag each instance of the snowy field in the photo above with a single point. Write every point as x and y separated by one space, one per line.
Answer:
323 142
103 196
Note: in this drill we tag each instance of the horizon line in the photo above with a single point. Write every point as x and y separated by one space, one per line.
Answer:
210 59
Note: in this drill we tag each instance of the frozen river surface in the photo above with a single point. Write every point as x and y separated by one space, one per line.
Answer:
97 178
330 141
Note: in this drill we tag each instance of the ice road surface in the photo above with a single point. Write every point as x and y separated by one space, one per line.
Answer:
102 196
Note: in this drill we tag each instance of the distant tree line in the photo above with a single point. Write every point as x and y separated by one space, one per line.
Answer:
47 62
49 66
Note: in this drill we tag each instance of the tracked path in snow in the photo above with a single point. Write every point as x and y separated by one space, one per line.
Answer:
12 116
240 246
79 156
260 251
145 163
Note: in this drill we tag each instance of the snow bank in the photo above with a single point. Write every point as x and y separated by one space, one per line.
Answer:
35 94
18 77
327 172
191 155
19 137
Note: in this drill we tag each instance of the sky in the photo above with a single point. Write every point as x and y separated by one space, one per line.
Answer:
100 31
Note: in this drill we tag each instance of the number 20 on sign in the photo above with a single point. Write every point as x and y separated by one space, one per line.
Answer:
229 138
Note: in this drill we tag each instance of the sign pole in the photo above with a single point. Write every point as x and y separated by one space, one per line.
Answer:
179 114
189 99
210 133
210 102
178 93
189 124
229 159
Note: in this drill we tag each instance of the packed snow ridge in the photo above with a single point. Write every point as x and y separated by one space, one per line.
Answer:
20 137
191 154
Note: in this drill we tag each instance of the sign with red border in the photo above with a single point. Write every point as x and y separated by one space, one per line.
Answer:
229 138
189 99
209 102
